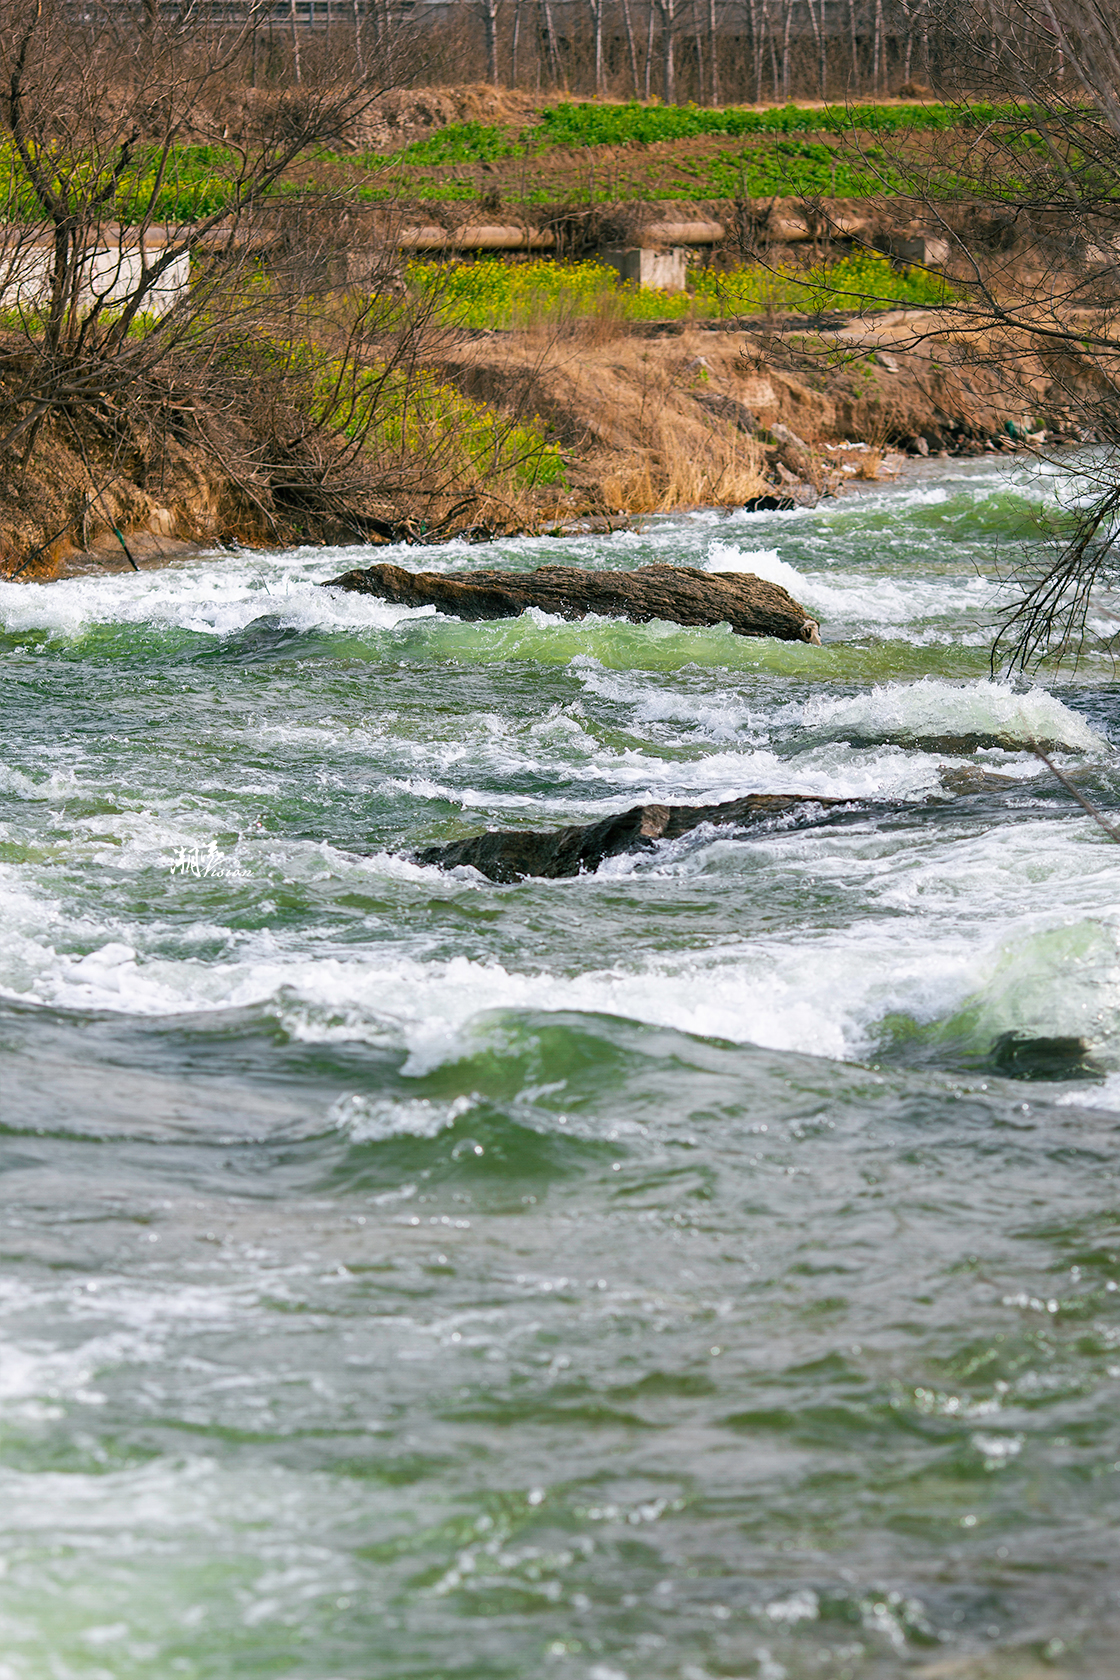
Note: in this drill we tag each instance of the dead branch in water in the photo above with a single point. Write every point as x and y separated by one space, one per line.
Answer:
1098 817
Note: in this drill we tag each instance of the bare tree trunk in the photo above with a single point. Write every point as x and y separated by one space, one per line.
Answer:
596 9
513 44
489 9
854 77
818 31
877 55
769 27
359 55
756 51
908 49
713 51
699 45
649 50
295 39
550 38
668 8
785 48
631 46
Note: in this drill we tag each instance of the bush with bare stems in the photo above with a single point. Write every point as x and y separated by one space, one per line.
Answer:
128 335
1029 214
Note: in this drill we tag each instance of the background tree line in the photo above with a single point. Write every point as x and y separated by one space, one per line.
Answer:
710 51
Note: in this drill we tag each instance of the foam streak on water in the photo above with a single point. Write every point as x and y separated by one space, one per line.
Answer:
661 1274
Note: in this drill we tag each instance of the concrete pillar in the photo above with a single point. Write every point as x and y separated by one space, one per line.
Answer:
651 270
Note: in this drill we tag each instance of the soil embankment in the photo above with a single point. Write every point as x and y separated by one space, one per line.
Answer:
649 417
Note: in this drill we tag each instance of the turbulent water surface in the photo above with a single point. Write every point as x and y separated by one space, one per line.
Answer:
645 1275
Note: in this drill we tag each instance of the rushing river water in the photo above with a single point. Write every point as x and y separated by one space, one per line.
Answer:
647 1275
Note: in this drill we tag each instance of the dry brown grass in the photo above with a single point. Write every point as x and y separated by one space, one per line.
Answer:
725 472
869 466
633 409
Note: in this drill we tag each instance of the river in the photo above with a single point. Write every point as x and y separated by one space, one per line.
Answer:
640 1276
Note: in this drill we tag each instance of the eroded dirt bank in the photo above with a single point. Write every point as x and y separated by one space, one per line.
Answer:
649 417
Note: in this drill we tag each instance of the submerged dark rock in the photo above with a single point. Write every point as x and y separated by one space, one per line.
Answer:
680 594
1019 1057
513 854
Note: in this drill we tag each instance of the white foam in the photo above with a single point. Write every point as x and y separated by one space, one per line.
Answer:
206 597
859 598
760 562
931 912
934 706
1104 1096
375 1119
1019 924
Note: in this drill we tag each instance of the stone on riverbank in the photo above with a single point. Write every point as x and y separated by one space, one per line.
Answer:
513 854
680 594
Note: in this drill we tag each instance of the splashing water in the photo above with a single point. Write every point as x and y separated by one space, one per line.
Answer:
645 1275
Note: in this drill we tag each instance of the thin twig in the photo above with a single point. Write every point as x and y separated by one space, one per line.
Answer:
35 552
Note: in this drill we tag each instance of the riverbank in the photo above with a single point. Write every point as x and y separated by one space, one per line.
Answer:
646 418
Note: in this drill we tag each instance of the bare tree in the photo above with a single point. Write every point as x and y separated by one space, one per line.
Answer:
631 47
487 10
549 32
817 21
853 73
786 29
667 12
596 8
713 52
131 321
1047 168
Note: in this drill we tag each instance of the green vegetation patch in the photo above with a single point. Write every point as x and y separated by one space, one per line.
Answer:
496 294
411 410
864 280
787 169
470 142
493 293
619 125
193 181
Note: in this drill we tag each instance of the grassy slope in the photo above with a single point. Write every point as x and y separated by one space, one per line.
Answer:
587 152
611 152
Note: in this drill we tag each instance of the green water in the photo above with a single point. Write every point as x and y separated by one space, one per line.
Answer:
646 1275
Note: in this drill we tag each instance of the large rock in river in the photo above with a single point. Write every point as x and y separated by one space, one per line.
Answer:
513 854
681 594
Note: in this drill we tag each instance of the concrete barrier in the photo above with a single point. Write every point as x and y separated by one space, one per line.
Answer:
928 249
661 271
110 271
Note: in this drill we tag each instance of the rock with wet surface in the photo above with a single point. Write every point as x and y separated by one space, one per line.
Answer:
1019 1057
681 594
516 854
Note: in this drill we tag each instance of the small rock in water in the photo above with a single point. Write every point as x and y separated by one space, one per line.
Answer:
768 504
970 778
679 594
1020 1057
514 854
